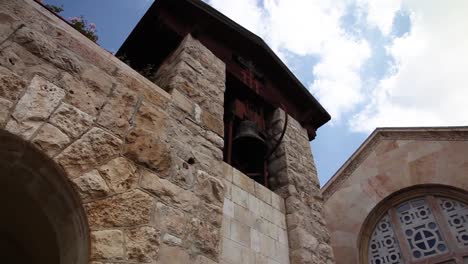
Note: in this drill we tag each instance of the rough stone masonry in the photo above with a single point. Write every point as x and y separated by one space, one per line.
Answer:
146 158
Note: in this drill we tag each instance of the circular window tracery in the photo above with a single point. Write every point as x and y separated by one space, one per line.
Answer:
427 229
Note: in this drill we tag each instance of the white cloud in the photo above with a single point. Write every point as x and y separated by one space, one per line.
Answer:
309 27
337 81
380 13
429 82
245 12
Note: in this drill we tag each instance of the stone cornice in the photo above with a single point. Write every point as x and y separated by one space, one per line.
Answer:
379 134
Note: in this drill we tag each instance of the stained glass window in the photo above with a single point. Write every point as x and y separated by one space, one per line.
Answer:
383 247
420 228
457 215
429 228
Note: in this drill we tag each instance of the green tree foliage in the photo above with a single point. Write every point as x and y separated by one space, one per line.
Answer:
82 25
79 22
54 8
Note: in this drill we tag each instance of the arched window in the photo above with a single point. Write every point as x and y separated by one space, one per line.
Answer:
429 228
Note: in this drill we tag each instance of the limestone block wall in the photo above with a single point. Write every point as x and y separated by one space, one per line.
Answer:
389 161
254 222
294 177
146 161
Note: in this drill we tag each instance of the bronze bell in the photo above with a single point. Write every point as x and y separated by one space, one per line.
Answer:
247 144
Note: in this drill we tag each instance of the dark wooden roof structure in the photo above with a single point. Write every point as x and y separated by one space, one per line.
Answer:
166 23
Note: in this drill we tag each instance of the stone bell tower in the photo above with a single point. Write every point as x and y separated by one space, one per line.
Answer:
262 118
197 153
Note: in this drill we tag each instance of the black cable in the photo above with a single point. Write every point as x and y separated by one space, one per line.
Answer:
281 137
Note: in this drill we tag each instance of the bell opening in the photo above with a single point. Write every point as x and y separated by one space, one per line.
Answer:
249 149
245 146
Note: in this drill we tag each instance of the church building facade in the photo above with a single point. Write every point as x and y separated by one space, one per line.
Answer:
402 197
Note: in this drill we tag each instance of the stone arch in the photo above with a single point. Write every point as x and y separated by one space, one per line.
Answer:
43 220
415 192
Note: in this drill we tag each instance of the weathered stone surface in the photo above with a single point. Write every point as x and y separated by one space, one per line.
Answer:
166 191
139 84
294 205
87 99
93 148
203 260
278 218
201 145
23 63
36 105
325 249
97 78
171 240
302 256
117 113
296 219
11 85
142 244
262 193
91 185
182 173
260 259
234 253
107 244
193 69
126 209
23 129
8 24
172 220
215 139
300 238
71 120
227 189
151 118
205 237
120 174
195 72
173 255
50 139
213 123
41 98
41 46
277 202
294 177
184 103
228 208
240 233
209 189
228 170
239 196
242 181
267 246
147 148
283 236
211 212
5 106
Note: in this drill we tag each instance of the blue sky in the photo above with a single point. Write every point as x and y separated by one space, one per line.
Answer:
370 63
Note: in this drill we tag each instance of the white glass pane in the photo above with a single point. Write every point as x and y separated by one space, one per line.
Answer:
383 247
456 214
420 229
